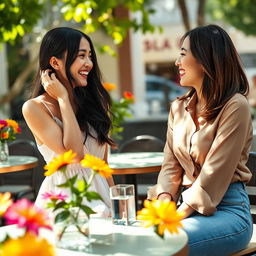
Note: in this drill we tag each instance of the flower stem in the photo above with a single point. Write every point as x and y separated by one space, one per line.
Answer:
91 178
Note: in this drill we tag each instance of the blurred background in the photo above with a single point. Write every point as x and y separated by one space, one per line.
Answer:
137 43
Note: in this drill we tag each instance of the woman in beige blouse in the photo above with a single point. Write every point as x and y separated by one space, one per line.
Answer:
208 140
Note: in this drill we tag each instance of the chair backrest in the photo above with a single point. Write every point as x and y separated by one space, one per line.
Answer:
142 143
21 147
251 185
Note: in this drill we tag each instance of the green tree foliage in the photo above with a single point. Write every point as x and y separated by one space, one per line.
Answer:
239 13
19 16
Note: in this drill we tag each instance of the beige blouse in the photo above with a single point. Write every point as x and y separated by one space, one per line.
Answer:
207 160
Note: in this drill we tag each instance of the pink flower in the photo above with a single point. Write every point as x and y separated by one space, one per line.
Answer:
54 196
26 215
3 124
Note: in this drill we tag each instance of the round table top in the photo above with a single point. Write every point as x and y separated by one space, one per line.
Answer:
115 240
136 163
18 163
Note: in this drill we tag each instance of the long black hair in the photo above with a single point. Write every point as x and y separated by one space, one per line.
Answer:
223 73
93 101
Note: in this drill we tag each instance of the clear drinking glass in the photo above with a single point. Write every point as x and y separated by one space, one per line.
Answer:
123 204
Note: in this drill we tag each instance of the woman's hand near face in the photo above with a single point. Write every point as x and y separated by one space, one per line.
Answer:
53 86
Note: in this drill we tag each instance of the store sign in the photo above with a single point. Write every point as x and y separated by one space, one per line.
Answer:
157 45
162 47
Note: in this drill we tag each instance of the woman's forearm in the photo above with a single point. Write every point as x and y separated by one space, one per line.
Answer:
72 135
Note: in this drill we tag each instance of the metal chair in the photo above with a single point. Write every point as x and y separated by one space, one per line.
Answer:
141 143
251 189
22 183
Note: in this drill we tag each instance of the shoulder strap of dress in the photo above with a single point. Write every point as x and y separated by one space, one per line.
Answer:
45 104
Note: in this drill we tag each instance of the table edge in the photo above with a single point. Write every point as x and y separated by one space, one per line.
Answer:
136 170
21 167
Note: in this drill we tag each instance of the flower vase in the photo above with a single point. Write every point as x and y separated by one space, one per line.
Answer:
73 233
4 152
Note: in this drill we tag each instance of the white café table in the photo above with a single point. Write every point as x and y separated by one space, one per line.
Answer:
109 239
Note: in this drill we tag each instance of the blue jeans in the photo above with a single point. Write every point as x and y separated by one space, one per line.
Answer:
227 231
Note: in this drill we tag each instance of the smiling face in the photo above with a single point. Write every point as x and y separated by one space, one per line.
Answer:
190 70
82 65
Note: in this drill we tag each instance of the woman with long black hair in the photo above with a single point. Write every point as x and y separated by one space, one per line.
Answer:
69 109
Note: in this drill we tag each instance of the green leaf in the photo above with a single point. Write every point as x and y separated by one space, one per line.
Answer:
62 216
91 195
73 179
156 231
61 204
87 210
64 185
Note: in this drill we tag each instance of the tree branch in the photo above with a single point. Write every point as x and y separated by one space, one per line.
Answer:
200 12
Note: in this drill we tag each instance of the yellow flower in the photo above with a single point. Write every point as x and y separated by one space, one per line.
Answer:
5 202
97 164
109 86
28 245
58 163
162 214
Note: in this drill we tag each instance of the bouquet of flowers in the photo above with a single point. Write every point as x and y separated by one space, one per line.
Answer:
28 219
8 129
69 208
120 109
162 215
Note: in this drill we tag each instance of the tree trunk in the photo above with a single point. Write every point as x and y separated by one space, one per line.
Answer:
184 14
200 12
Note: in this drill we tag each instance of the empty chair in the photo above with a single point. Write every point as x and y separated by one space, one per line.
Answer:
251 189
141 143
22 183
251 185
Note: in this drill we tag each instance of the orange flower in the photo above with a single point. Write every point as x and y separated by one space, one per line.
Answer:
109 86
97 164
162 214
14 125
5 202
128 95
5 135
59 163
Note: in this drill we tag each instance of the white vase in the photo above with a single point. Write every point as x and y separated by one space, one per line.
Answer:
4 152
73 234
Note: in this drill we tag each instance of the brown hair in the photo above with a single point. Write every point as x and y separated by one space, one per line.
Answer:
224 75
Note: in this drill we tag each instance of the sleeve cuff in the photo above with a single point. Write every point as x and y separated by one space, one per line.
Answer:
197 198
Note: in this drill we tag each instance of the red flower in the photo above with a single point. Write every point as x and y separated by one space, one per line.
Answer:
128 95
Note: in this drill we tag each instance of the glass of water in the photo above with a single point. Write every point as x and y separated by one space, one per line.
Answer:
123 204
